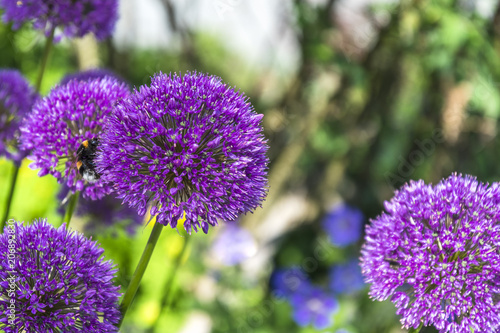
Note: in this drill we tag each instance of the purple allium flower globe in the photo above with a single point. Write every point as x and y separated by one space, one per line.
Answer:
91 74
61 281
312 305
343 224
435 253
16 100
233 245
346 278
61 121
75 18
186 145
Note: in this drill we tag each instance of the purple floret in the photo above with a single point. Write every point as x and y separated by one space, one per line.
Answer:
16 101
57 281
75 18
435 253
61 121
186 145
343 224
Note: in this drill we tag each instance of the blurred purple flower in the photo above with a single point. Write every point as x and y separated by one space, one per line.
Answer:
346 278
312 305
287 281
75 18
343 225
233 244
16 101
104 214
61 281
435 253
61 121
186 146
91 74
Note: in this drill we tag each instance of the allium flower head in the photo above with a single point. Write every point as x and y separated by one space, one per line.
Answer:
312 305
346 278
90 74
58 280
435 252
16 100
343 224
186 145
61 121
233 245
75 18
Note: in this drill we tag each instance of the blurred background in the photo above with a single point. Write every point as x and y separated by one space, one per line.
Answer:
359 97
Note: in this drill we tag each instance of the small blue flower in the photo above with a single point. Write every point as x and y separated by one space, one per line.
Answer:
233 245
286 282
312 305
346 278
343 225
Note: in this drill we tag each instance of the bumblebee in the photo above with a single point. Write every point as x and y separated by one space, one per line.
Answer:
85 156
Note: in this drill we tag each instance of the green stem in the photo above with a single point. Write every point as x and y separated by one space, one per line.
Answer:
167 290
73 199
45 57
139 271
10 195
416 330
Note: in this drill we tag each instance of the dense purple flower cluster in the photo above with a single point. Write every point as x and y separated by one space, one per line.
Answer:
435 253
186 145
58 281
16 100
233 245
60 122
346 278
91 74
75 18
343 224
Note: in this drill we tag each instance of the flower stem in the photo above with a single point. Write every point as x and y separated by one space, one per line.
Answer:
10 195
71 208
167 289
416 330
45 57
139 271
